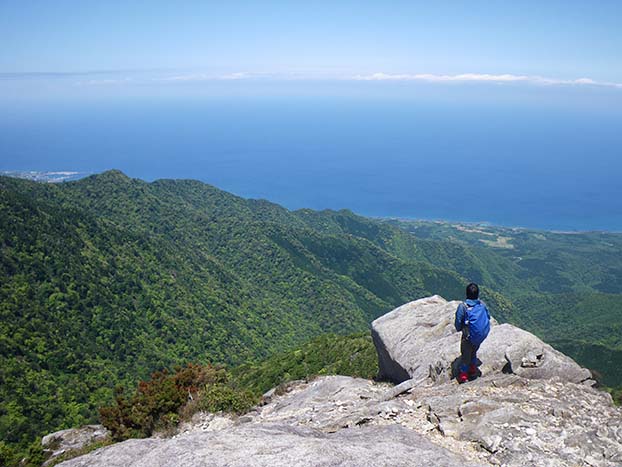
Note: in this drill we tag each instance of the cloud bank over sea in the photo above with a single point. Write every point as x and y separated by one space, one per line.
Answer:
133 77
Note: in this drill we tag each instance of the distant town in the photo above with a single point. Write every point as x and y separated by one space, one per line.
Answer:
47 177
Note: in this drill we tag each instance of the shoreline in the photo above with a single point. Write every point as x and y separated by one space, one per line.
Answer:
60 176
491 225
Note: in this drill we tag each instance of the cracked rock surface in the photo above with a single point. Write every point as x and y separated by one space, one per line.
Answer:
337 420
418 340
528 422
333 420
532 406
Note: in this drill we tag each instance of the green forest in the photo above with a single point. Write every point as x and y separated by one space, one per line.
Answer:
564 287
105 280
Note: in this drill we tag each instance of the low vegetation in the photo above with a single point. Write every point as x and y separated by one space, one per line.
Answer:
326 355
162 401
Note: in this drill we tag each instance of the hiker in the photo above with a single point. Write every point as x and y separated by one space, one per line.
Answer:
473 319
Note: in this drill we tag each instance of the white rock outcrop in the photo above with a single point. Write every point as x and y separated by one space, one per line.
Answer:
530 407
328 422
418 340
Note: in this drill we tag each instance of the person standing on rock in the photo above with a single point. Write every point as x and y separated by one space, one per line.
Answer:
473 319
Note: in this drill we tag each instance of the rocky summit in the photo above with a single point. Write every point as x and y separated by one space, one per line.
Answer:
418 340
531 406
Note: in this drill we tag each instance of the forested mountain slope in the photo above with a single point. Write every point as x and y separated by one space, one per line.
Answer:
106 279
564 286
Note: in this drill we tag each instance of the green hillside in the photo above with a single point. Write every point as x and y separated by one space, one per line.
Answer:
107 279
353 355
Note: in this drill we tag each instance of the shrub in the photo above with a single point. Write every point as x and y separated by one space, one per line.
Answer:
223 398
163 401
6 454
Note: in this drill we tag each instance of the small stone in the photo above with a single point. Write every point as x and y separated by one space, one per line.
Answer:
491 443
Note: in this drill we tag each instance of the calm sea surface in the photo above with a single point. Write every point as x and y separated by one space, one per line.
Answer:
544 168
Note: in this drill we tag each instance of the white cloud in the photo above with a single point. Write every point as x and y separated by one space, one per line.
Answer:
104 82
239 75
313 75
188 77
483 77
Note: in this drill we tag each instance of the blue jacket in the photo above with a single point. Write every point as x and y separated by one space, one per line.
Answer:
461 313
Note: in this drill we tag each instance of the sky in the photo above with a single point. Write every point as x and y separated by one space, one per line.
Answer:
302 102
58 47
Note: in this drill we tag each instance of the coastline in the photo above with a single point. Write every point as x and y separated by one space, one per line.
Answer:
492 225
61 176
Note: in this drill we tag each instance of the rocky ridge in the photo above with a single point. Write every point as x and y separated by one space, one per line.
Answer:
531 406
418 340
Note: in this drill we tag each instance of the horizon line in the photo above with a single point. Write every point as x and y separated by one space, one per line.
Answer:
171 77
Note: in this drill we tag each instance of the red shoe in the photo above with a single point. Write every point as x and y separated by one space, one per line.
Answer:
472 369
463 377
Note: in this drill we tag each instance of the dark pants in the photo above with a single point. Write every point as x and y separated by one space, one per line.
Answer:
468 354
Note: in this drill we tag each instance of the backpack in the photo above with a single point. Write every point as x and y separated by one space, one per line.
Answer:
478 321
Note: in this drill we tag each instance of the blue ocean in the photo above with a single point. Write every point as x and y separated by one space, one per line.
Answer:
536 166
